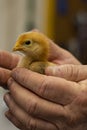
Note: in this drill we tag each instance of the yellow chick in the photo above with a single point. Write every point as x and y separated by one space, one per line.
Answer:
35 47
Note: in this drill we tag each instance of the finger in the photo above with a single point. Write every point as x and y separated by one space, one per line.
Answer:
14 120
34 105
51 88
4 76
29 126
8 60
60 56
26 120
69 72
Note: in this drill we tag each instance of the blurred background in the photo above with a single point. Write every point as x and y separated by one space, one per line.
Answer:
64 21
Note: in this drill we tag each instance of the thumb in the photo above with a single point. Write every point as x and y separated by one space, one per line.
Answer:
68 71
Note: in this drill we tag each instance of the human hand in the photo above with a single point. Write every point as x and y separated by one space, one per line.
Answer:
41 102
59 55
8 61
68 71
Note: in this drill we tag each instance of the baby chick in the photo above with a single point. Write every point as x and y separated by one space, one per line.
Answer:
35 47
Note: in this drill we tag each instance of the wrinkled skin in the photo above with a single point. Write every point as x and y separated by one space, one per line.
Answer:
42 102
8 61
55 101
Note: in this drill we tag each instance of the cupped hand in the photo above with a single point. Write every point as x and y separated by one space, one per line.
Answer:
60 56
41 102
8 60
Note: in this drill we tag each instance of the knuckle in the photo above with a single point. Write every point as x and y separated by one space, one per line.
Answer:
72 116
32 107
10 82
31 124
77 71
70 70
18 124
74 73
12 108
13 90
24 79
42 89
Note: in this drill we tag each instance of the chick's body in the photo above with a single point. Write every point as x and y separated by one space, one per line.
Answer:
35 47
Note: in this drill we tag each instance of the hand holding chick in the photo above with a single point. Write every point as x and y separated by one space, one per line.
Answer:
35 47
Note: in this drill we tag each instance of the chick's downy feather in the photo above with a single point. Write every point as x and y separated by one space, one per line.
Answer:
35 47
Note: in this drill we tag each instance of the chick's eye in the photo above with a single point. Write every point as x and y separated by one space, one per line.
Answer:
27 42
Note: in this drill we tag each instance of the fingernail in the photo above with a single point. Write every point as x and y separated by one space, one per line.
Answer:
15 72
10 81
6 98
8 115
50 70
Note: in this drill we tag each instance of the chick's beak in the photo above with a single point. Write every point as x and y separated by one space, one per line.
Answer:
17 48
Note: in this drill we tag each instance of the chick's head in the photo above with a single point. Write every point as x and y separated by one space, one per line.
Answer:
33 44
